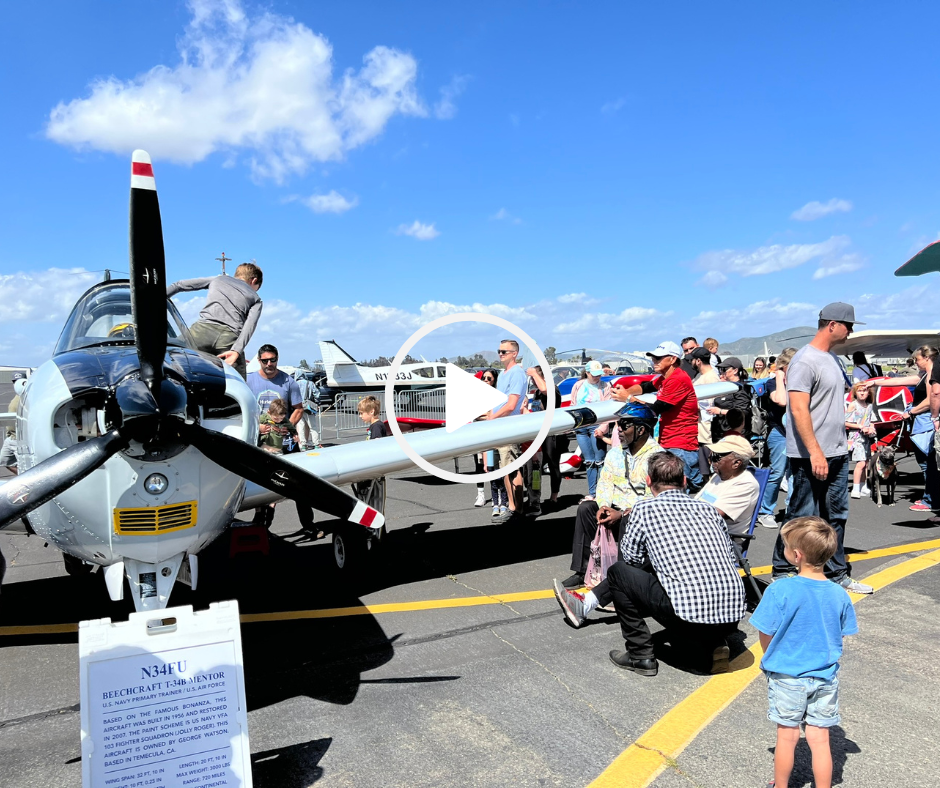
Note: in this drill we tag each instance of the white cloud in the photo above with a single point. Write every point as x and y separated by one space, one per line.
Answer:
333 202
613 106
765 259
42 296
446 107
844 265
816 210
423 232
262 85
632 319
713 279
760 317
502 215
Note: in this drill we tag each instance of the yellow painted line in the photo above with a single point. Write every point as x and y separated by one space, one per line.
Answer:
396 607
432 604
658 747
901 549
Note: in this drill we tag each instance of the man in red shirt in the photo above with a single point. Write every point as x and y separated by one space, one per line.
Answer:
677 407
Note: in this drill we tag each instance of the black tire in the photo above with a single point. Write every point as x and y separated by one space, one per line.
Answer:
75 566
349 549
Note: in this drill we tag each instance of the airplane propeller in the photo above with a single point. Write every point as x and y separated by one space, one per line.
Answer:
153 407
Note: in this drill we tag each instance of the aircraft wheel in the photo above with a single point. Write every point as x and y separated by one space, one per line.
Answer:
75 566
349 548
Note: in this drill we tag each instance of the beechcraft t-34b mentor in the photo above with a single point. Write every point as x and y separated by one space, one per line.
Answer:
135 450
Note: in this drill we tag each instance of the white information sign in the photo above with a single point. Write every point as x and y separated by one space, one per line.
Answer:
163 700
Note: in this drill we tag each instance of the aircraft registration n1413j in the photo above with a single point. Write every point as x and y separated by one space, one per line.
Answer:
135 450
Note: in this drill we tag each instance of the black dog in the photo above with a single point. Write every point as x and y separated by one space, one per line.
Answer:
882 470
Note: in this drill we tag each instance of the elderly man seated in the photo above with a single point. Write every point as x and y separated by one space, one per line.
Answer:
732 489
622 483
677 567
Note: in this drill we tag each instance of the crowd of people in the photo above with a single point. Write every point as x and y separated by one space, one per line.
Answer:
671 487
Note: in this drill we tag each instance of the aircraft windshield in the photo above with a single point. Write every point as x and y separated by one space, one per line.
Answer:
103 316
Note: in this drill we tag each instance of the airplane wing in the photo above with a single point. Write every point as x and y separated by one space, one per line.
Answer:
354 462
890 344
925 261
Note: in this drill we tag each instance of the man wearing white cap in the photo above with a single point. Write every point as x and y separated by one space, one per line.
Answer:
732 490
816 444
677 408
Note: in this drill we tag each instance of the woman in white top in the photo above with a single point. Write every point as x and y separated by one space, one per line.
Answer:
593 450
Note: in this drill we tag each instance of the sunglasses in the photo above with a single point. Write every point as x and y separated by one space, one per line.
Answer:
505 352
488 378
268 360
719 456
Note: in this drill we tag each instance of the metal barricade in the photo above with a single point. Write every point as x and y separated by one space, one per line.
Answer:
425 404
345 412
343 417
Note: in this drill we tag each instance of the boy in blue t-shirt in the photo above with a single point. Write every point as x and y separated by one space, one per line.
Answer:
801 621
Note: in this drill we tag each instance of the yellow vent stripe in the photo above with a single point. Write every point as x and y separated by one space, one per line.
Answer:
156 519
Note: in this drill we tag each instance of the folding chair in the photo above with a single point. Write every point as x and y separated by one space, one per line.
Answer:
741 542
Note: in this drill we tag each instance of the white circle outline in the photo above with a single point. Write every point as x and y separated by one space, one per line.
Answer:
467 317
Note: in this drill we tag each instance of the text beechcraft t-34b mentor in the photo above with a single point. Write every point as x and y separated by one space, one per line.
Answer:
135 450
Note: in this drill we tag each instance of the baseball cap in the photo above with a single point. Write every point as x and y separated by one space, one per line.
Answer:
839 312
731 361
594 367
19 376
666 349
701 353
734 443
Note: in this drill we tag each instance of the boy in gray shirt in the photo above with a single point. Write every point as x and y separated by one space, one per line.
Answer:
230 315
816 440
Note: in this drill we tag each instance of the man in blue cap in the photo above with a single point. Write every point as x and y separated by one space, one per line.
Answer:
622 483
816 439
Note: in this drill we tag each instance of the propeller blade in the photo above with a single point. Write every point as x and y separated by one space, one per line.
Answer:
272 472
148 271
34 487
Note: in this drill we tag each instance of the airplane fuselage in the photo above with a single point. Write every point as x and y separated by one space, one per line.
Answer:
109 517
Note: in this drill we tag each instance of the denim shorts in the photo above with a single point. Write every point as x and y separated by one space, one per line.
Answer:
811 700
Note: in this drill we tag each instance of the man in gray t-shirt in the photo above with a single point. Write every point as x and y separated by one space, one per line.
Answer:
819 374
816 445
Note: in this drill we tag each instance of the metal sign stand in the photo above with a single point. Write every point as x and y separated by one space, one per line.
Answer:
163 700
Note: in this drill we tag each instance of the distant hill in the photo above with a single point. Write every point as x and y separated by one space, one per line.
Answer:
754 346
490 355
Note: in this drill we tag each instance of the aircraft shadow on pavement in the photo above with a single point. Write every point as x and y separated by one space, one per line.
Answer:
295 766
841 747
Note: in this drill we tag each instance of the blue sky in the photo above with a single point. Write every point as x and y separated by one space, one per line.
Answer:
605 174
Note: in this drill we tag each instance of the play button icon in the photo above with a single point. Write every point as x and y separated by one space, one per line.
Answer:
467 397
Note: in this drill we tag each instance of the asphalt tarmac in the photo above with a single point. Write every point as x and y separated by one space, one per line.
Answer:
462 671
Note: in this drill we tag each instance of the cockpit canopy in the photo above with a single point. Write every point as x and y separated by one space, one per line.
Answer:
103 316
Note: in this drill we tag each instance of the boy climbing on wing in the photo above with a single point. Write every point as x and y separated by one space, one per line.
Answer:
230 315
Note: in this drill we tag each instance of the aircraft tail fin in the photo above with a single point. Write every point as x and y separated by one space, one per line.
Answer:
333 355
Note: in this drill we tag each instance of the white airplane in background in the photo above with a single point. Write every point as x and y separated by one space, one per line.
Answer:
343 373
135 450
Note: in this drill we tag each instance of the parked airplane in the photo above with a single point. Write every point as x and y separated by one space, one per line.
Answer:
135 450
344 373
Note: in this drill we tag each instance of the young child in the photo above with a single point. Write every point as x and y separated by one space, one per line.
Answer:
860 434
372 492
801 621
230 315
282 439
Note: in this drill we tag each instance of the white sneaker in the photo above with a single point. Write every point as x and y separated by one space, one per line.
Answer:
784 485
854 587
856 493
768 521
865 491
481 498
495 511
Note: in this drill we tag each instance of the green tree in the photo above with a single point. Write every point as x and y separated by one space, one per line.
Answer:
550 355
303 364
